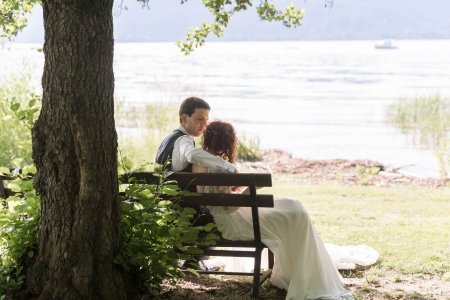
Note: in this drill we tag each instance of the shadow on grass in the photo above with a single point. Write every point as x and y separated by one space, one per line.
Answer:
218 287
239 287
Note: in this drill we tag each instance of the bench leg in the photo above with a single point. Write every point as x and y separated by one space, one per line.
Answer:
257 275
265 275
271 259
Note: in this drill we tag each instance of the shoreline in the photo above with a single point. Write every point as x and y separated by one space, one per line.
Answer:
347 172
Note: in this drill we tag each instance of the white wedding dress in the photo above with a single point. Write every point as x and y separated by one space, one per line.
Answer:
302 265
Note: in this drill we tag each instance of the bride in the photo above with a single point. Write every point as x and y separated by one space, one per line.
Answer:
302 265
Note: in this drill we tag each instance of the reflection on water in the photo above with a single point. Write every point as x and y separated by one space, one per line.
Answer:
318 100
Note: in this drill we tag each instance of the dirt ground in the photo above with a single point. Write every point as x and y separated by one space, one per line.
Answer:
390 285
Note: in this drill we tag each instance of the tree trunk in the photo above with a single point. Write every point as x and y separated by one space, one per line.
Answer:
74 149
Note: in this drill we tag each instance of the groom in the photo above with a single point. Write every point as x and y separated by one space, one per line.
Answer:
179 147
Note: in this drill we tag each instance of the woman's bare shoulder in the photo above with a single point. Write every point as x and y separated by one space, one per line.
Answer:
199 169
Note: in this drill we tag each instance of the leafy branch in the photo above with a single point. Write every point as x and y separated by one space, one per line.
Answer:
13 16
223 10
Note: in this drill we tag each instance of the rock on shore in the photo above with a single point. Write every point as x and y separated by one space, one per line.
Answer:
351 172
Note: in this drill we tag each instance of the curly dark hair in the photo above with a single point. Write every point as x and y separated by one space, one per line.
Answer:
220 139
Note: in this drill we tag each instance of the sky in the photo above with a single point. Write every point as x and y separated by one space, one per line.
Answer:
169 21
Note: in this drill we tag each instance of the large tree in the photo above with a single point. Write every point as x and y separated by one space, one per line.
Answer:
75 141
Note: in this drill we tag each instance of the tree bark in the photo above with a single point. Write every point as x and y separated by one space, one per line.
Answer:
75 152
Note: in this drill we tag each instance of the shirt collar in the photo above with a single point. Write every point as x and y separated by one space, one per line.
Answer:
182 129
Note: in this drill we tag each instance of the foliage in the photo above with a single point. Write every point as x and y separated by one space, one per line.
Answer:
12 16
248 149
223 10
365 174
19 220
155 121
426 117
157 232
151 122
18 111
427 120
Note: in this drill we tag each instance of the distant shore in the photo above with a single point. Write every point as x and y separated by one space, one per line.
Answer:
349 172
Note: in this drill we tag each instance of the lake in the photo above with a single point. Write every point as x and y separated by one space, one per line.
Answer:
316 99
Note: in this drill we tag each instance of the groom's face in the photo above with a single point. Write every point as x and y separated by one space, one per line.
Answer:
195 124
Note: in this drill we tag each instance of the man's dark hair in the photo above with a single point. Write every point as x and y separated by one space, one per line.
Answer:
189 105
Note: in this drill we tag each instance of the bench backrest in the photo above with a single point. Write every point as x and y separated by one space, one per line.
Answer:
4 191
250 180
186 180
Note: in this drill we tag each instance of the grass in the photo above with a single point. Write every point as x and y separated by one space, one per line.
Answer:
409 226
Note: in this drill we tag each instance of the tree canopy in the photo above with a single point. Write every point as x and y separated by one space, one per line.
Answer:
14 17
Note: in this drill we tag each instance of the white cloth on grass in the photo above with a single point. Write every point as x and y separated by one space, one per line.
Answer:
302 264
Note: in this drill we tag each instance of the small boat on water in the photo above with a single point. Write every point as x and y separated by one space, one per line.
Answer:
385 44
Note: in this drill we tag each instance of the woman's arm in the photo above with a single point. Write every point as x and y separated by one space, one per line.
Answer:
201 189
185 149
199 169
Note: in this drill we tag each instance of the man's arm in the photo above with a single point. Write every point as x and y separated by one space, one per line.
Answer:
188 152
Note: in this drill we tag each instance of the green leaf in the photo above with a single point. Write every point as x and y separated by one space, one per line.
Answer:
14 187
138 206
189 210
190 236
169 191
26 185
189 193
172 186
164 203
194 250
147 194
29 169
4 171
192 271
208 227
12 198
15 106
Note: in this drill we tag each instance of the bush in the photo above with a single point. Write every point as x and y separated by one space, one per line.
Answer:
149 125
248 149
426 117
18 110
19 220
157 233
427 120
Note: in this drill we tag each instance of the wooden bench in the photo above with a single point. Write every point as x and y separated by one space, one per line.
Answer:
252 248
4 191
253 200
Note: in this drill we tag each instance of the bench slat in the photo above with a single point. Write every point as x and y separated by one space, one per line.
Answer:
212 179
4 191
231 253
227 200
